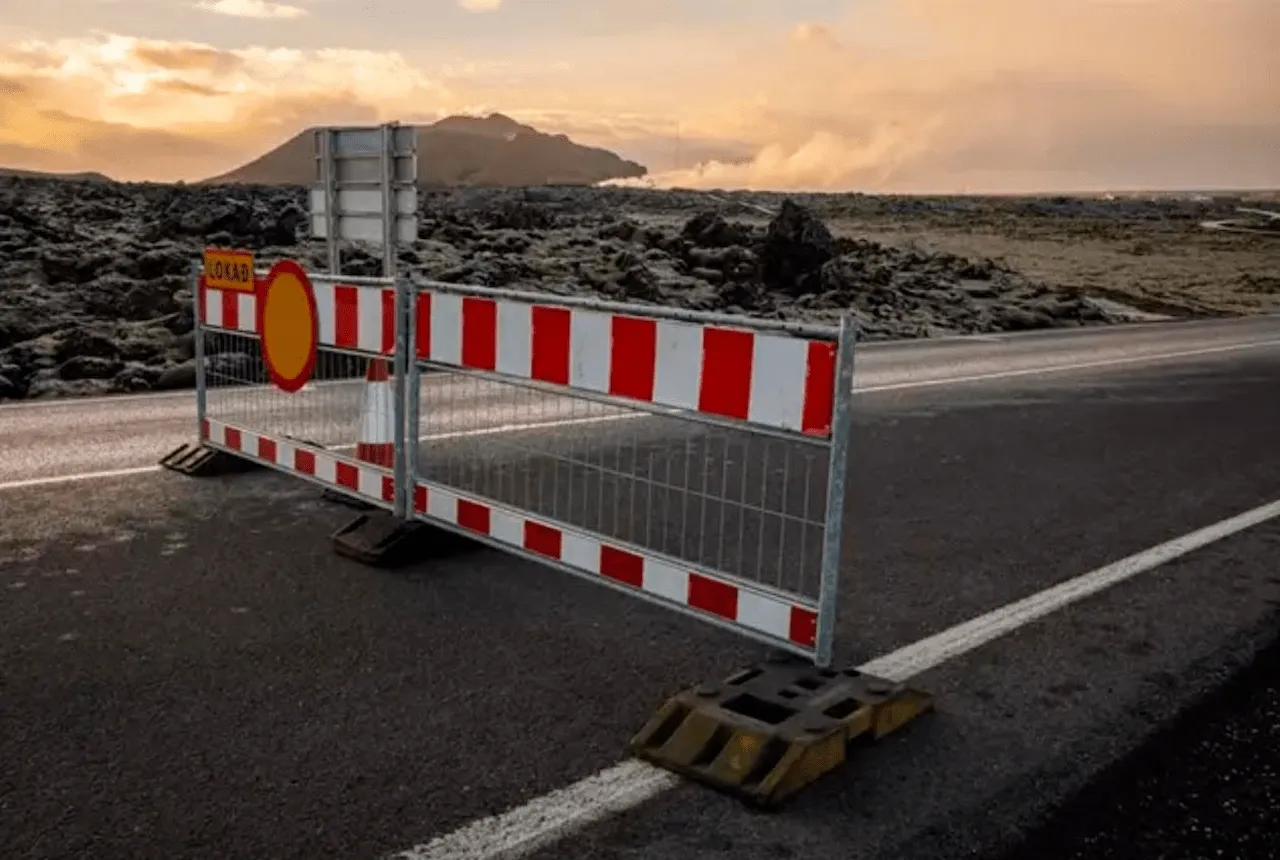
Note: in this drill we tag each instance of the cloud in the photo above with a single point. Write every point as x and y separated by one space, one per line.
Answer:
252 9
1010 95
480 5
898 95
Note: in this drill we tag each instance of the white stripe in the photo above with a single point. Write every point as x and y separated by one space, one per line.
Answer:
506 528
778 369
442 505
378 413
371 483
247 312
446 328
286 455
213 308
677 364
515 339
580 552
326 468
326 324
589 350
666 581
764 614
217 433
369 319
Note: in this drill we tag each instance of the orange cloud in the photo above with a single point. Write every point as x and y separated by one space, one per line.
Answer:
911 95
252 9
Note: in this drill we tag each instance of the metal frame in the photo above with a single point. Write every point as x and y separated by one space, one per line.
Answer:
838 446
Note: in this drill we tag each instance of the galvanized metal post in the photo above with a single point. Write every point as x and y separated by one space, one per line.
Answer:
389 207
412 396
330 201
401 461
389 241
197 342
835 538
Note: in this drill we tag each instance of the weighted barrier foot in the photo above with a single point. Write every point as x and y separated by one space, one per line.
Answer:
201 461
768 731
379 539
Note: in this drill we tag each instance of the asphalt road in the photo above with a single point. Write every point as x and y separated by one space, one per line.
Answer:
187 670
1205 785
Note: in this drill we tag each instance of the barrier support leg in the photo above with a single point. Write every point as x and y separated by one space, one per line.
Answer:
767 731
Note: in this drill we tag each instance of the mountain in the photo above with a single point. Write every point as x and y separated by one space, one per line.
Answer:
460 150
41 174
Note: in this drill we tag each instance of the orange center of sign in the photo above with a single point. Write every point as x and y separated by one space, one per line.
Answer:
288 327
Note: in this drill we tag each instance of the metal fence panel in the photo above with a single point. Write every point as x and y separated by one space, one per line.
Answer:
686 459
325 431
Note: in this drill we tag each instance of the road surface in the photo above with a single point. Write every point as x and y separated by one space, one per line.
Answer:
187 669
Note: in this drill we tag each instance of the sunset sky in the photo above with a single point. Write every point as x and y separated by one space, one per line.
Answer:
894 95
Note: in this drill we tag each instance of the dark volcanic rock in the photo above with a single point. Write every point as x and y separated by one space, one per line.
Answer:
795 246
96 279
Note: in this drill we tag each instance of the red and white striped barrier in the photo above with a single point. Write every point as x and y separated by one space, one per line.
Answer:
704 593
361 319
774 380
372 482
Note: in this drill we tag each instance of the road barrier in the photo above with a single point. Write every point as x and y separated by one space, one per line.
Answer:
284 377
710 477
696 461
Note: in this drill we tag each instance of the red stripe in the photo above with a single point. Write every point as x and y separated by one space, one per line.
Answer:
377 453
552 329
230 308
420 499
304 462
473 516
347 475
804 627
713 596
725 385
819 389
346 317
388 488
388 321
479 333
202 296
633 357
267 449
541 539
204 429
231 438
622 566
423 333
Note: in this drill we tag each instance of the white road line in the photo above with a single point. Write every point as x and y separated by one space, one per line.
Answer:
1083 365
82 476
27 483
625 786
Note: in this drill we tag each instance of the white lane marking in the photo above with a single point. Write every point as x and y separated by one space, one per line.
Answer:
27 483
1082 365
927 653
83 476
624 786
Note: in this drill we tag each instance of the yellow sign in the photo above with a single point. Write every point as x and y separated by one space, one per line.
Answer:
289 325
228 270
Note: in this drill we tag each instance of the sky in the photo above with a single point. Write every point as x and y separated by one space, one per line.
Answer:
858 95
